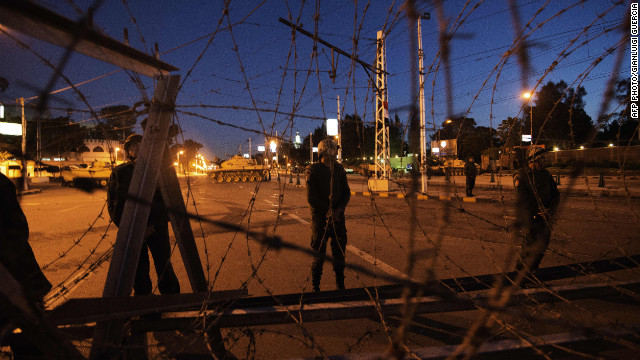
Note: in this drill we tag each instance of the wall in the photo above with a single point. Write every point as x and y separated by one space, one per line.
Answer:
630 155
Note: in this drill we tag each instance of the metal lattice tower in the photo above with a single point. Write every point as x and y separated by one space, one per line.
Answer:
423 135
382 112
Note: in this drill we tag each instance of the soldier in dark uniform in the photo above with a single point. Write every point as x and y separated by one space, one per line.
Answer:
328 194
17 257
537 198
471 172
156 238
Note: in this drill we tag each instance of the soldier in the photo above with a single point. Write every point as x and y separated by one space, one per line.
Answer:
17 257
328 195
470 171
156 237
537 199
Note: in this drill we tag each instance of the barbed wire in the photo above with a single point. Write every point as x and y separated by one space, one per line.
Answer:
494 317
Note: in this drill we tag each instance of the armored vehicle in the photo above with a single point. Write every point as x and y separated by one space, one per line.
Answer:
95 173
239 169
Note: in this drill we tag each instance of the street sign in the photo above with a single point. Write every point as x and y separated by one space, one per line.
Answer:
10 129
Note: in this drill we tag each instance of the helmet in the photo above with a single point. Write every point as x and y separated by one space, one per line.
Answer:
131 139
327 146
535 153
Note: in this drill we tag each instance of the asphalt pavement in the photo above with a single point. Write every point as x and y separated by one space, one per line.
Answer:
71 237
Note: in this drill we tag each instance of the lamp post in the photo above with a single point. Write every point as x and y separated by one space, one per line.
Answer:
179 164
117 149
529 96
273 146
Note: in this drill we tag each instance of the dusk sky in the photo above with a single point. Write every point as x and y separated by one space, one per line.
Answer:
271 71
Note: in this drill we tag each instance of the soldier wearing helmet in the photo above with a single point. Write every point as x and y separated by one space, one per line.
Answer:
537 198
328 194
156 237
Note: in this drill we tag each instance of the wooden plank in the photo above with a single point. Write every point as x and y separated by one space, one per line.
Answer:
461 284
41 23
172 197
136 212
86 310
15 305
520 348
272 315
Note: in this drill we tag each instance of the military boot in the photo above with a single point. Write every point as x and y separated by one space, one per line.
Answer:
340 281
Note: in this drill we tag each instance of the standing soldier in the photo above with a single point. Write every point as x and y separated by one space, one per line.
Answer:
328 195
17 258
470 171
156 236
537 199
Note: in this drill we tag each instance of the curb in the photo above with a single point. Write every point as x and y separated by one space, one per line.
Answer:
29 192
596 192
422 196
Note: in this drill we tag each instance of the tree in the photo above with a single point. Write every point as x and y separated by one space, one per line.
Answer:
622 128
559 116
190 149
456 128
473 143
510 131
396 138
115 123
60 136
352 129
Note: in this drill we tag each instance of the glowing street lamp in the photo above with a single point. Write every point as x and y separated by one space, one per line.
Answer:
527 95
179 164
117 149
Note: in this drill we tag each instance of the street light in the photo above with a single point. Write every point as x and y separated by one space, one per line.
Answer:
527 95
179 164
273 146
117 149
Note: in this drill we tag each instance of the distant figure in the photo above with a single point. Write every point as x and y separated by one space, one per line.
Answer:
537 198
328 194
471 172
17 257
156 237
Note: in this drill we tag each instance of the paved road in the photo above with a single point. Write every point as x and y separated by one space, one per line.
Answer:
70 231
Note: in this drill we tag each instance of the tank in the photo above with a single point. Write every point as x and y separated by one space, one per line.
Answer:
239 169
97 172
454 167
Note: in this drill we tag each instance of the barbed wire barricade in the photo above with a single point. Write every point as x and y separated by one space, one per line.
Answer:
443 303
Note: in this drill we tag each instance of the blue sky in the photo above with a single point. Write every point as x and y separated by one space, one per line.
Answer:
270 71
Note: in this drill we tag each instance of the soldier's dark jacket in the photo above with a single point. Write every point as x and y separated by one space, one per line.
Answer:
16 254
318 178
117 194
536 192
470 169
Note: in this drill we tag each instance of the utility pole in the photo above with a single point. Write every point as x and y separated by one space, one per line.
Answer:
339 133
310 148
39 143
25 186
249 148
